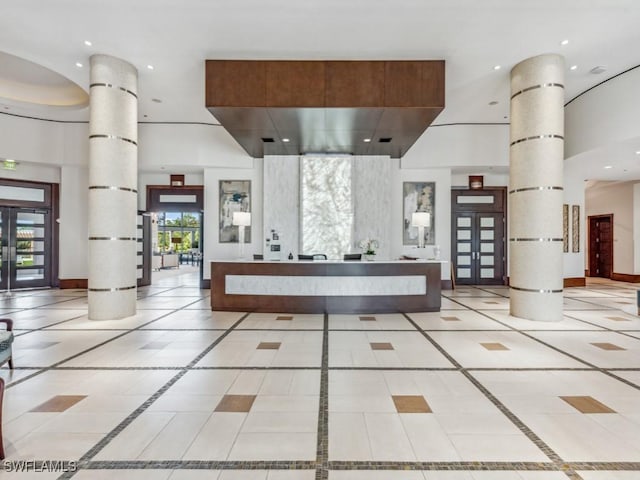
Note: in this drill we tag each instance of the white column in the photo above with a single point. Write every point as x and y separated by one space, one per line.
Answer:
536 188
113 165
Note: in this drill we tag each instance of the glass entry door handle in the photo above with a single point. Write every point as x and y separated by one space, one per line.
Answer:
5 253
13 254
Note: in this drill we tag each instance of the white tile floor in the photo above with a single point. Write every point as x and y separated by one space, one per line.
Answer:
149 386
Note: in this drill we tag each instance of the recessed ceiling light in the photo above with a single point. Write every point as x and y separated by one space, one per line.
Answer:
493 102
366 140
88 43
637 152
497 67
564 42
78 64
573 67
285 140
156 100
598 69
150 67
608 167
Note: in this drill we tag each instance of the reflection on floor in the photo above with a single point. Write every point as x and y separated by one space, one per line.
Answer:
468 393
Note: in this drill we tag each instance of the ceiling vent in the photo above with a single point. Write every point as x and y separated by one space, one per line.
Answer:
268 140
598 70
385 140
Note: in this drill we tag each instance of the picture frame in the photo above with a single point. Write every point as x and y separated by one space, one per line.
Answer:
234 196
418 197
575 228
565 228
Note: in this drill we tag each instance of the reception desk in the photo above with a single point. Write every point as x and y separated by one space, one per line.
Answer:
320 286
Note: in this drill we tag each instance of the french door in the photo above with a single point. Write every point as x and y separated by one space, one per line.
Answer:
25 239
479 248
478 236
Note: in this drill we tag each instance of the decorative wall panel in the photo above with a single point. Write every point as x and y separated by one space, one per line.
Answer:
281 203
327 206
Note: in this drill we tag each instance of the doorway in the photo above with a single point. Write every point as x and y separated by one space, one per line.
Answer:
601 245
478 236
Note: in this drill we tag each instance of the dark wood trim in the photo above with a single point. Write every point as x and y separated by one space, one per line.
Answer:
430 302
446 284
74 283
154 192
205 284
625 277
574 282
55 234
586 272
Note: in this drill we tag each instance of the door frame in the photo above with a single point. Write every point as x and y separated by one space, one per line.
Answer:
499 206
50 202
590 257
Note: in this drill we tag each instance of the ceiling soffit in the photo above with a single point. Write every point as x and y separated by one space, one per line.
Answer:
325 106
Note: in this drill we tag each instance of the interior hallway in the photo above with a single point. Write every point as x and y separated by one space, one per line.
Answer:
467 393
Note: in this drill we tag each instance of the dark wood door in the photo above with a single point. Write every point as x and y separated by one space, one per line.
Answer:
601 246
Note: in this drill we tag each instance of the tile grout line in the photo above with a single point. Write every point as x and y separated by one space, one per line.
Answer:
322 448
559 350
535 439
47 326
72 357
85 460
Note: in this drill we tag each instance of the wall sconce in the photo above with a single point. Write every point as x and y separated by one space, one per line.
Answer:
421 220
241 220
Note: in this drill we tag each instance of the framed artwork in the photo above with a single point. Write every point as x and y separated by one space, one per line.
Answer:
418 197
575 228
565 228
235 196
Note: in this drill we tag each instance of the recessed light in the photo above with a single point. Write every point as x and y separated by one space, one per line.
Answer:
366 140
608 167
564 42
493 102
88 43
637 152
78 64
156 100
150 67
573 67
497 67
598 69
285 140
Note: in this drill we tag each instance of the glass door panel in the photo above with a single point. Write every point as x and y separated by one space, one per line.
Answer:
478 248
26 248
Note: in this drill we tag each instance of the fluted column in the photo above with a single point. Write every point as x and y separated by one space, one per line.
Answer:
113 165
535 188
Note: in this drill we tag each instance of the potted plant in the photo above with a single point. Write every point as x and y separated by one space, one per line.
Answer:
369 246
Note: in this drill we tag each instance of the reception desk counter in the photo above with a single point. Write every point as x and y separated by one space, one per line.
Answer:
331 287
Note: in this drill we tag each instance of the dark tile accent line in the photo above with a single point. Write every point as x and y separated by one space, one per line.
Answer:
97 448
200 465
322 450
573 357
56 364
46 327
537 441
101 344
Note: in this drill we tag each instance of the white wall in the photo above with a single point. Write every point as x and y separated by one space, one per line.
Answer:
213 249
616 198
604 115
460 146
74 233
574 263
636 228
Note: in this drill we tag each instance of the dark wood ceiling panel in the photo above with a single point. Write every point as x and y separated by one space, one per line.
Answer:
295 84
325 106
433 84
403 84
355 84
236 83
